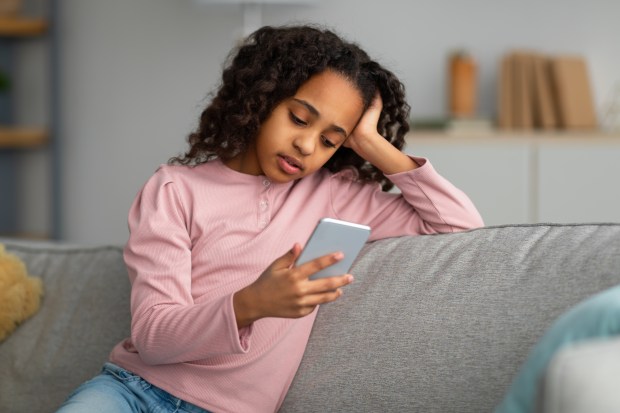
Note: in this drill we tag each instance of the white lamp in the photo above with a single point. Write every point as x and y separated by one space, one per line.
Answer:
253 10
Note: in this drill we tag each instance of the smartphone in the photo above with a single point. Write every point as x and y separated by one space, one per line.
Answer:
333 235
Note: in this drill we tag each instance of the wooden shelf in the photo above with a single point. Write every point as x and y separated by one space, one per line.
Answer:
513 135
23 142
26 236
22 26
22 137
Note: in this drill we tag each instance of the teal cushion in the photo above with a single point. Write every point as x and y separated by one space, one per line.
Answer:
596 317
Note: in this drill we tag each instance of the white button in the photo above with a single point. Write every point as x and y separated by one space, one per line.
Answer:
263 205
262 224
266 183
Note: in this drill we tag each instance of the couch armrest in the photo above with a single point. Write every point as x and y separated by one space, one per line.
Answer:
583 379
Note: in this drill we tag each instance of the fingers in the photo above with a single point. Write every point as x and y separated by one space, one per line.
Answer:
330 283
323 291
376 101
307 269
366 128
375 108
325 298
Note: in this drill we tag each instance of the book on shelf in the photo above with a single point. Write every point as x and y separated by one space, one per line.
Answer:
505 97
544 110
536 91
522 81
573 94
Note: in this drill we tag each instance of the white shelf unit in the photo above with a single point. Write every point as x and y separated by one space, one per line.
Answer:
530 177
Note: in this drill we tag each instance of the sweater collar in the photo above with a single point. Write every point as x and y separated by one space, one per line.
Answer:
239 177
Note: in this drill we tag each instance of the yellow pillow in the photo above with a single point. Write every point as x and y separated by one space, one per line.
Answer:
20 294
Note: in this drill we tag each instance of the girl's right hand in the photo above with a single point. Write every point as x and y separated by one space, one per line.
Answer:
284 290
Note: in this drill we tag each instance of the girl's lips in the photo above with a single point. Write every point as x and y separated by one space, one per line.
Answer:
289 165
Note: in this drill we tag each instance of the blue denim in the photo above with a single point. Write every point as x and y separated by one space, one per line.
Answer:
595 317
118 390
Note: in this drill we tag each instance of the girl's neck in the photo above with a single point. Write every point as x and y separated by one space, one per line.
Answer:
245 163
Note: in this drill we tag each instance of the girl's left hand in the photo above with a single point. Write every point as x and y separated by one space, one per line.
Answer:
368 143
366 128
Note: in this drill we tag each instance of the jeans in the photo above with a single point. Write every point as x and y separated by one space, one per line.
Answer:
597 317
118 390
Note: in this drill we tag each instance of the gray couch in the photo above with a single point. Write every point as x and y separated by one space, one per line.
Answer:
436 323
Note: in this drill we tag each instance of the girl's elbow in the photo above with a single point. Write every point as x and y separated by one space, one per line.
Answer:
476 221
472 223
146 342
146 350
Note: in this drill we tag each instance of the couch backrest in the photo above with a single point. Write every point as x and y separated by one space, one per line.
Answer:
441 323
83 314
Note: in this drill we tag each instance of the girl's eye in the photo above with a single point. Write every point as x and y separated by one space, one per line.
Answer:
327 142
296 120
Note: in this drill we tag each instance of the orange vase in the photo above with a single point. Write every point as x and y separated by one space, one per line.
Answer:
463 85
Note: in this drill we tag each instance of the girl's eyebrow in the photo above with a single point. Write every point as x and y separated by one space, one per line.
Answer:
316 113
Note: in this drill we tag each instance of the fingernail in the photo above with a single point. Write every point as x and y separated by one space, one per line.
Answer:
339 255
349 278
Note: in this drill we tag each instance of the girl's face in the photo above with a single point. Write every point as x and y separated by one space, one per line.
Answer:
304 131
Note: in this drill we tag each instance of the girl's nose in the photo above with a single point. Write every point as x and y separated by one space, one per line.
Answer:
304 143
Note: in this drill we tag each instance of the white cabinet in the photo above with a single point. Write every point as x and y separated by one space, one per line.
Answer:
528 178
579 181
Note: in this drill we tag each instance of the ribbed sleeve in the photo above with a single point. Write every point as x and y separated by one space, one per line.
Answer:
168 326
427 204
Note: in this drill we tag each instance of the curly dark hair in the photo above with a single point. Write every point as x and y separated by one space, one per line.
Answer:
268 68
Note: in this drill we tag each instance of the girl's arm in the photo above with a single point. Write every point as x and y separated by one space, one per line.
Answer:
428 203
167 324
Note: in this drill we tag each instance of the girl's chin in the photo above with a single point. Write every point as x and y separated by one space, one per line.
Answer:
281 178
280 175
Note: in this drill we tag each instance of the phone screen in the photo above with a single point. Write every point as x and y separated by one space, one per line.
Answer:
333 235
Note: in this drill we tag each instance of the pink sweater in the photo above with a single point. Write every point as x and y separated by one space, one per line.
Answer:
200 234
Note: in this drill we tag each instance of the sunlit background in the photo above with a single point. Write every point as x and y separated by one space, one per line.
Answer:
133 75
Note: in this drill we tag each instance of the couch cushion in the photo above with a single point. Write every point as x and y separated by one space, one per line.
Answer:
83 314
20 294
583 378
441 323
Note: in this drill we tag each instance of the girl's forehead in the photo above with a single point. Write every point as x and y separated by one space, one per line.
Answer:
334 97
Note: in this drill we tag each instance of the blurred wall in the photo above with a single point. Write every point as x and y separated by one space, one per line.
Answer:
135 74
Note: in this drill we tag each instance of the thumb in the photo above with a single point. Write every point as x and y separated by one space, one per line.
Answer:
288 260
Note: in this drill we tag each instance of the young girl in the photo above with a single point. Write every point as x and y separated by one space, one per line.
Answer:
303 126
